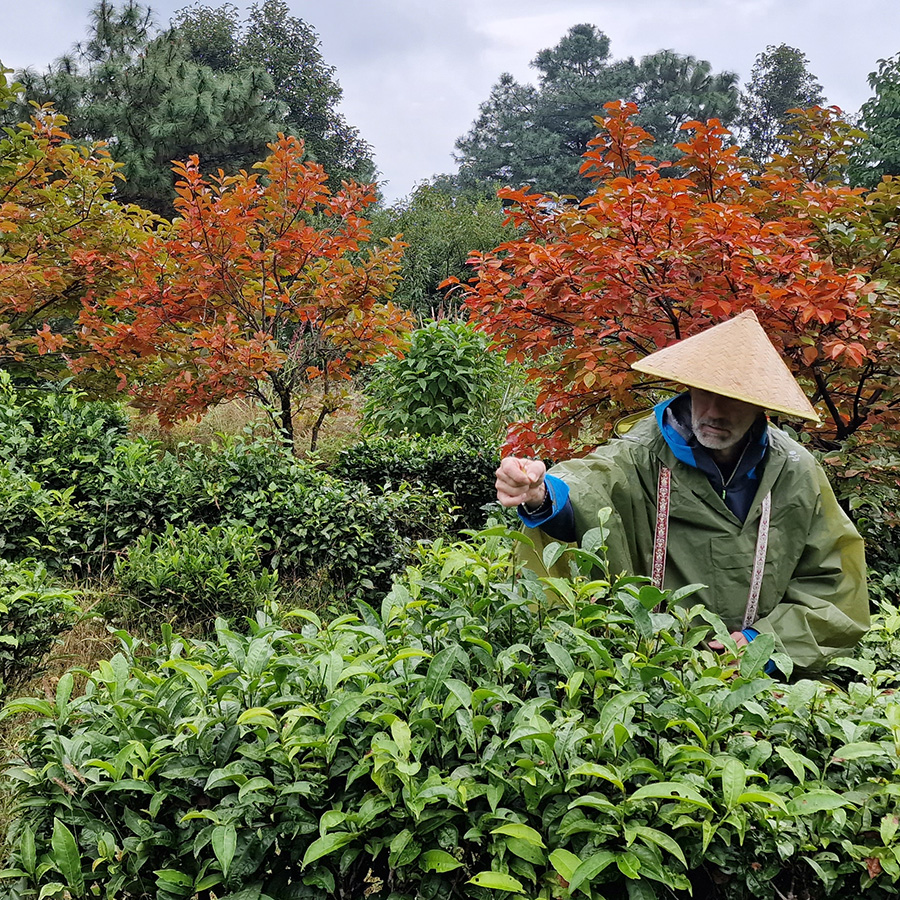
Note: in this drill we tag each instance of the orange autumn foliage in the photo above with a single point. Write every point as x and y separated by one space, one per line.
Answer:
62 243
267 282
657 254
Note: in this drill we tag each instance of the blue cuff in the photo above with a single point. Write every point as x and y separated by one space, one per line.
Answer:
559 496
750 634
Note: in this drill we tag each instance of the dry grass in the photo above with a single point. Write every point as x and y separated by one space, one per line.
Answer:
228 418
340 429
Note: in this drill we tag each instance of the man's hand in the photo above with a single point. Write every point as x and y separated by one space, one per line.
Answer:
737 636
521 481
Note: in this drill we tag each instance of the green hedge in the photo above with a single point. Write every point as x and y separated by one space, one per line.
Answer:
75 491
482 735
462 468
34 612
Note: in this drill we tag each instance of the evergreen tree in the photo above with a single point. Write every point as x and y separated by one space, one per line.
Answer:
287 49
673 89
141 91
879 154
536 135
779 82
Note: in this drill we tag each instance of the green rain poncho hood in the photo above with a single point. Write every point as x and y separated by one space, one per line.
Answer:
813 597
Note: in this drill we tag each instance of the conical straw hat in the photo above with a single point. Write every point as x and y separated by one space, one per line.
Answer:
735 359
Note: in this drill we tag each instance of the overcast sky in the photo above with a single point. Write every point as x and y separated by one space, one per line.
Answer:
414 71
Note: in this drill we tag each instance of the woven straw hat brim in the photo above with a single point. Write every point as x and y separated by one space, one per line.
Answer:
735 359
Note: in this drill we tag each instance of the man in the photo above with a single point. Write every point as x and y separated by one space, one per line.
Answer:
707 491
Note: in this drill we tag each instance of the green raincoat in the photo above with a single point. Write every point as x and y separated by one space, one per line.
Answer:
813 597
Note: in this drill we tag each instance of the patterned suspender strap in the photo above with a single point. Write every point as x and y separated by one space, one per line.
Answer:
759 562
661 540
661 535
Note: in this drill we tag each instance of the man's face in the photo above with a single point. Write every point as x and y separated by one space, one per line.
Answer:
720 423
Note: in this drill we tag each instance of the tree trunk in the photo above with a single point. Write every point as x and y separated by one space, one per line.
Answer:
285 397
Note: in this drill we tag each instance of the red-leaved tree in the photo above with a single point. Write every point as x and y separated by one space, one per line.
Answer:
657 254
266 283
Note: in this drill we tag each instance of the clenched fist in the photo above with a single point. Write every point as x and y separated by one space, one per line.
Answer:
521 481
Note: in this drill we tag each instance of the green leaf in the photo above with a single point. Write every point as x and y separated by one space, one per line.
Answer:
565 862
224 843
326 844
439 670
522 832
27 851
438 861
734 780
816 801
654 836
402 737
740 695
67 858
756 654
344 710
497 881
588 870
258 715
670 790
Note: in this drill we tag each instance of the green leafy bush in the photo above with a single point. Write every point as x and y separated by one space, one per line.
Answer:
57 437
485 735
35 521
448 381
462 468
34 612
194 573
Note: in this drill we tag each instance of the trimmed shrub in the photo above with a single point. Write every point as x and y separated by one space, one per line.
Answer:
449 381
193 574
34 612
462 468
484 735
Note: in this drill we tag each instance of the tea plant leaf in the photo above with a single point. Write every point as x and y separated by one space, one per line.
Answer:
561 657
565 862
865 749
816 801
660 839
344 710
756 654
438 861
740 695
595 770
552 553
326 844
258 715
64 693
439 670
27 850
67 858
768 797
588 870
734 779
497 881
522 832
402 737
670 790
224 844
796 763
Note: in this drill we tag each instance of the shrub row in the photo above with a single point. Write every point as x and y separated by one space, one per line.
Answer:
482 735
461 467
75 491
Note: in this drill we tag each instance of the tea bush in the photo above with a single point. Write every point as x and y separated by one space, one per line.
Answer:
58 438
193 574
449 381
482 735
463 468
119 490
34 612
